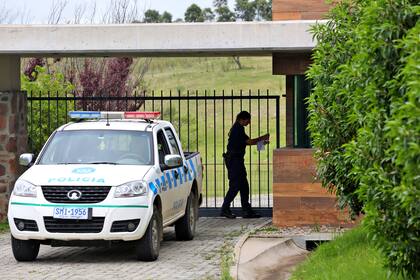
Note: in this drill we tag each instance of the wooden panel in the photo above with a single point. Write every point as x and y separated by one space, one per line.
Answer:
297 199
291 63
299 5
294 166
286 16
300 190
285 218
299 9
313 15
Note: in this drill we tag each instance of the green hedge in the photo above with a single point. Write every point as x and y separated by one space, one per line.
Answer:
365 120
43 116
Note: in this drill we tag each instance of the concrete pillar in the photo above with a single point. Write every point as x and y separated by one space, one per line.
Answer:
9 73
13 142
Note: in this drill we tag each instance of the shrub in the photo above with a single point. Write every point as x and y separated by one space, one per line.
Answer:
365 119
44 116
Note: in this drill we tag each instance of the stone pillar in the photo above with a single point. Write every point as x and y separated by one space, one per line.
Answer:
13 142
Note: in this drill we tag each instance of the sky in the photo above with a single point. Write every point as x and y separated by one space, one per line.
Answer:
37 11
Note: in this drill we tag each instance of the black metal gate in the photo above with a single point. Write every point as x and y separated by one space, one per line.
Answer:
202 119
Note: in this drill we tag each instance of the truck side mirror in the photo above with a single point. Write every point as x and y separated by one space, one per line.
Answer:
173 160
26 159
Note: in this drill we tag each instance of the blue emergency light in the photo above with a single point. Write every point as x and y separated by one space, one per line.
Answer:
85 115
113 115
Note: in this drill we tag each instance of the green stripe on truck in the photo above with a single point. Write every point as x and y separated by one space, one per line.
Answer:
79 205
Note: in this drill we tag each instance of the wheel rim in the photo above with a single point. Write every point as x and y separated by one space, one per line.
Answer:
192 217
155 235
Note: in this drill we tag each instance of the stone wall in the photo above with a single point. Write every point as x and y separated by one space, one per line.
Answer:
13 142
298 199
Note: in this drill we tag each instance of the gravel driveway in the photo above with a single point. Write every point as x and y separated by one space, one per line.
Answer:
196 259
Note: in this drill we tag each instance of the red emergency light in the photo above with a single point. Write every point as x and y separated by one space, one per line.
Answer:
142 115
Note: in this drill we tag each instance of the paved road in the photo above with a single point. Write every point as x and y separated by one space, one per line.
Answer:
196 259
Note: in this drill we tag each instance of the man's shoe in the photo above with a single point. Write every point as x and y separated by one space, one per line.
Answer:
228 214
251 215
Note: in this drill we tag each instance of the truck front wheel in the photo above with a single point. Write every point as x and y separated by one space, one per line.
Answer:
25 250
147 248
185 227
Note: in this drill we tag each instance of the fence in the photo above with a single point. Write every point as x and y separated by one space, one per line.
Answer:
202 120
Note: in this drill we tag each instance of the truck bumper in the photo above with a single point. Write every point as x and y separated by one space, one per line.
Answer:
102 226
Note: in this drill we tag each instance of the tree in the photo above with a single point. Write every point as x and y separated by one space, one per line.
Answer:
245 10
151 16
7 16
166 17
193 14
208 14
219 3
365 120
263 9
40 83
224 14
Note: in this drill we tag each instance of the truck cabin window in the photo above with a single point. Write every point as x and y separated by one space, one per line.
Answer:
163 148
172 141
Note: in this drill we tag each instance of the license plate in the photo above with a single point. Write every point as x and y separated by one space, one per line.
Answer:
74 213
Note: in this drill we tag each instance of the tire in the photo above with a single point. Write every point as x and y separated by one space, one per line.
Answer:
147 248
25 250
185 227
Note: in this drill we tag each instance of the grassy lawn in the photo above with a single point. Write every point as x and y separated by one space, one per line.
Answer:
4 226
351 256
208 132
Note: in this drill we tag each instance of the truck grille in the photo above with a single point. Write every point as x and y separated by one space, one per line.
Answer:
90 194
94 225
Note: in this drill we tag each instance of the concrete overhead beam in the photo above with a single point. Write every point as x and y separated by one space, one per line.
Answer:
174 39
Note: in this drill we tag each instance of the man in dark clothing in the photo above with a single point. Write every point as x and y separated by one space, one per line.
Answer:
234 160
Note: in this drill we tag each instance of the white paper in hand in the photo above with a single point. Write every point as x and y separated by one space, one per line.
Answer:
260 145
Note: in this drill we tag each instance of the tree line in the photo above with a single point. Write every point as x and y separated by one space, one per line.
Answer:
244 10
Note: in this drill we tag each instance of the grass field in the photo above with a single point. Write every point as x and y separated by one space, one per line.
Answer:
351 256
210 121
4 226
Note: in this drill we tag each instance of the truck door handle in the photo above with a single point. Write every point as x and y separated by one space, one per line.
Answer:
185 169
176 174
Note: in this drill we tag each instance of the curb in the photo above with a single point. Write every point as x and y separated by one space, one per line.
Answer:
238 247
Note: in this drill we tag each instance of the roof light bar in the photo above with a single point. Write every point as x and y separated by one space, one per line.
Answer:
142 115
84 115
113 115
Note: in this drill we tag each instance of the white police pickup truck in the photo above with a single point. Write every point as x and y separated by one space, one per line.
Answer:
106 177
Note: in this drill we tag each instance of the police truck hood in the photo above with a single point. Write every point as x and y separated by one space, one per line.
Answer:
84 174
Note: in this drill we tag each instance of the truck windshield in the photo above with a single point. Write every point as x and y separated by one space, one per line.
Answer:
99 147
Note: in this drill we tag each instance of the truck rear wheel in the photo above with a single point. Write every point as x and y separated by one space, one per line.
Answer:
185 227
25 250
147 248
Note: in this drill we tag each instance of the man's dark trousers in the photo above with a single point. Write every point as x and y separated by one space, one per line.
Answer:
238 182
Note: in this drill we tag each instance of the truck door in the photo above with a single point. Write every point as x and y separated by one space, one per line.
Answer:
181 186
164 177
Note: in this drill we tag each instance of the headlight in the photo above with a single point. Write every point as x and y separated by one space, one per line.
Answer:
130 189
24 188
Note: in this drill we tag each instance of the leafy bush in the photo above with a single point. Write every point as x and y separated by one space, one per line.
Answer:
365 119
44 116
